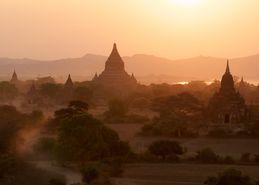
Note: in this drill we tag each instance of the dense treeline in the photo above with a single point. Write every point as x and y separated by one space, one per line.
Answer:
138 97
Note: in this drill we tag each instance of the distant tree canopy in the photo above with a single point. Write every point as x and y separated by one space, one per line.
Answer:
51 90
7 91
117 107
177 114
83 93
117 111
230 177
140 103
183 103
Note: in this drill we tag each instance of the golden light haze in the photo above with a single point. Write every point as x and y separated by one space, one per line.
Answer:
52 29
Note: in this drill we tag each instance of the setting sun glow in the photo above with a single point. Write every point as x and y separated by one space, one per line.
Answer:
169 28
187 2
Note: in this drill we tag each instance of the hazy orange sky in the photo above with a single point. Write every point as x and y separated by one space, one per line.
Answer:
50 29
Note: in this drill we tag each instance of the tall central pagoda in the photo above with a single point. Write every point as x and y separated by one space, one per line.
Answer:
114 73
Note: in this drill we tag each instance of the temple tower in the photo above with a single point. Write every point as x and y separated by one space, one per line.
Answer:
227 107
114 73
69 83
227 82
14 78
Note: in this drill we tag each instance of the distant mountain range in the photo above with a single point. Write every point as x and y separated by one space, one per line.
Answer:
147 68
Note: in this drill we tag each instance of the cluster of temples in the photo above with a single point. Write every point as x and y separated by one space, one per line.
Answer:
226 107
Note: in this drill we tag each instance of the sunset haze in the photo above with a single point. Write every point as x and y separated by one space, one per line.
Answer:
174 29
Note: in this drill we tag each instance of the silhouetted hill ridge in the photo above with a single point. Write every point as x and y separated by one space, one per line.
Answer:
198 68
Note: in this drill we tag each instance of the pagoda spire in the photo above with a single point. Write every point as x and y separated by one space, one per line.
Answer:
114 61
242 79
228 68
114 46
14 77
227 82
115 52
69 82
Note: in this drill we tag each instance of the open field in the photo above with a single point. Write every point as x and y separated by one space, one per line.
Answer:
177 174
181 174
233 147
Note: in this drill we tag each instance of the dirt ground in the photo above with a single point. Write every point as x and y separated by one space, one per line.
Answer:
177 174
233 147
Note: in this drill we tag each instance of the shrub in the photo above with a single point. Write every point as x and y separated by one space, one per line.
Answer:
207 155
229 177
218 133
256 158
89 174
165 148
228 160
246 157
55 181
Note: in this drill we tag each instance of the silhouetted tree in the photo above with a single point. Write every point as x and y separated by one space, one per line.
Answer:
81 137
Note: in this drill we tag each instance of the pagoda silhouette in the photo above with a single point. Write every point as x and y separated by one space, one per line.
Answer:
114 73
227 107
